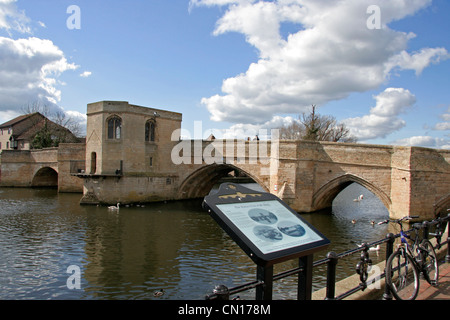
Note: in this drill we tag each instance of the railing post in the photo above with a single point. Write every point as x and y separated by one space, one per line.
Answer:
304 287
389 250
331 275
265 275
426 229
222 292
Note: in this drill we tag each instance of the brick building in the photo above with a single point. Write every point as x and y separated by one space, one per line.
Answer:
18 133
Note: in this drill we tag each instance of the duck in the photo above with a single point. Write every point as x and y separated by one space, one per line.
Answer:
359 198
372 223
354 221
114 207
158 293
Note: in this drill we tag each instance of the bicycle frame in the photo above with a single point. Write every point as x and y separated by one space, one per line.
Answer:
404 237
409 249
416 252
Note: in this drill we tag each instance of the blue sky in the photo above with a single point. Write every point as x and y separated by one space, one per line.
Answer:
240 65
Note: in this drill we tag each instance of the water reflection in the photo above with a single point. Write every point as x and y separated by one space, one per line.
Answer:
131 253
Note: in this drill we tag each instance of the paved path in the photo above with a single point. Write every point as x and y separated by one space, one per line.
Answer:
441 291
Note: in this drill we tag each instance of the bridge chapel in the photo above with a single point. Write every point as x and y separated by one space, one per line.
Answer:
128 152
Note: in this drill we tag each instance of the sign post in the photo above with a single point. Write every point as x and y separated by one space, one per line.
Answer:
268 231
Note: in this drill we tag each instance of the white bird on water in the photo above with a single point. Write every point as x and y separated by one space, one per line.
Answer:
377 248
112 208
359 198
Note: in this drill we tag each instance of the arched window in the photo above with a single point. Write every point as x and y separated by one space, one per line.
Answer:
114 128
150 130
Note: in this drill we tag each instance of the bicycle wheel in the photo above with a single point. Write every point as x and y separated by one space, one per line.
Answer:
402 276
430 268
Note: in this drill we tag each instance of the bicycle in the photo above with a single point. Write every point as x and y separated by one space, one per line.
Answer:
404 265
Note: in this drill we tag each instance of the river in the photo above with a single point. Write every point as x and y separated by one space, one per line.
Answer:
130 254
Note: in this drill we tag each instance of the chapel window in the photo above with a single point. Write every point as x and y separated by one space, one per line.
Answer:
150 130
114 128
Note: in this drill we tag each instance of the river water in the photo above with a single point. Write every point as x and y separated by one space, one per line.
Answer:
130 254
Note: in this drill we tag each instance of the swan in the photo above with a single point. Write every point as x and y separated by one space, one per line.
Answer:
114 207
359 198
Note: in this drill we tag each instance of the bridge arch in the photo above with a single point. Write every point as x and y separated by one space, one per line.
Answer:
324 197
45 177
199 183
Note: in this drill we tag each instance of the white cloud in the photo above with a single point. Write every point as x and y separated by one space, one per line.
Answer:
419 60
8 115
446 116
332 55
244 131
86 74
443 126
424 141
28 71
13 19
382 119
29 68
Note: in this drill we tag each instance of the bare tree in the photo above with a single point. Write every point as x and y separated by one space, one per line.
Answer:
313 126
36 107
67 122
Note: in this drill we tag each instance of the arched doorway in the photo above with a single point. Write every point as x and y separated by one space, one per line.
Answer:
93 162
45 178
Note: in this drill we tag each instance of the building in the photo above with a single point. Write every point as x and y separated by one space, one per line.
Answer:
18 133
128 151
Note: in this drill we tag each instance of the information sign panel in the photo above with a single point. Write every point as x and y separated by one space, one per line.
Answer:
265 227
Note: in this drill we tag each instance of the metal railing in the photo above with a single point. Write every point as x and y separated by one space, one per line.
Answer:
362 268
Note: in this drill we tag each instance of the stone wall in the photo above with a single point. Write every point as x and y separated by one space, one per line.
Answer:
17 168
71 160
51 167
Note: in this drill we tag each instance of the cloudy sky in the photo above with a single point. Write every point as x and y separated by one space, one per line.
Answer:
380 66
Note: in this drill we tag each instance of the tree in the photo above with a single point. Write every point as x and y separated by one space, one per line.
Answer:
50 133
43 138
313 126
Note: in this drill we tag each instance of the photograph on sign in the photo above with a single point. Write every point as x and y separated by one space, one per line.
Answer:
269 225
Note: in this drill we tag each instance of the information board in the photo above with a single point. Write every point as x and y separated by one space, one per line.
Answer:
265 227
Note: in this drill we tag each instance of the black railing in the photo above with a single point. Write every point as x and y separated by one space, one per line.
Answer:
362 268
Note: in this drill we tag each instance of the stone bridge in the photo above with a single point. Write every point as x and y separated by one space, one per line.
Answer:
309 175
306 175
50 168
134 154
